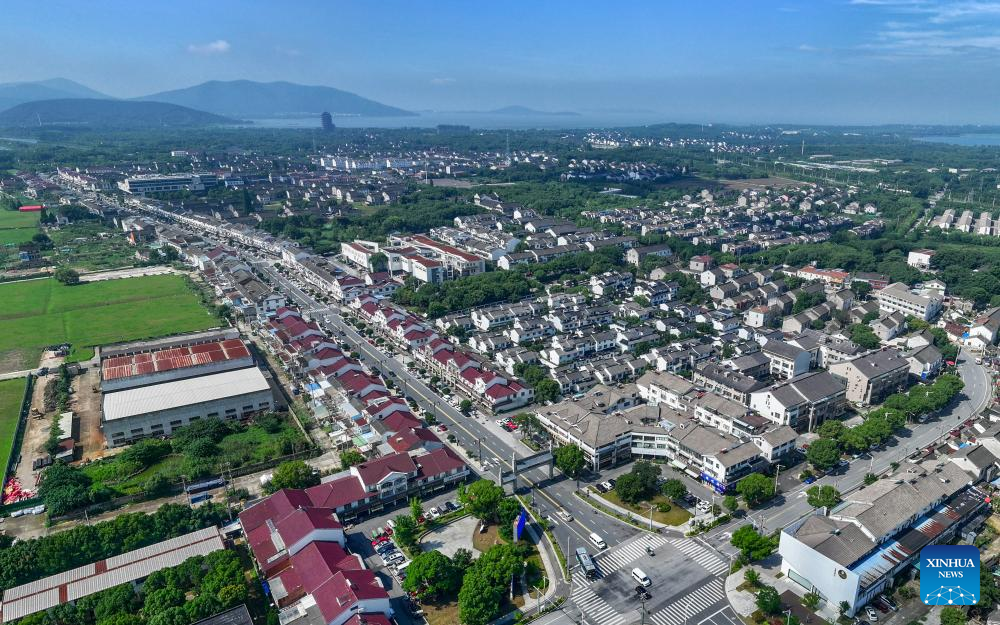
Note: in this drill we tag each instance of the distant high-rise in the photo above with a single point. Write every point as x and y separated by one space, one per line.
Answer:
327 121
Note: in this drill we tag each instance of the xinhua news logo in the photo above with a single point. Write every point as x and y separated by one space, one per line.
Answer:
949 575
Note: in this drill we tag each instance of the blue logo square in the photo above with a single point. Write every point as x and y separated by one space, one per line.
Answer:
949 575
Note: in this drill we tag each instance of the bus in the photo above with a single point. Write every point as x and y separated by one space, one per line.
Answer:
586 563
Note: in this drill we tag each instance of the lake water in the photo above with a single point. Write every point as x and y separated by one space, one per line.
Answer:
971 139
486 121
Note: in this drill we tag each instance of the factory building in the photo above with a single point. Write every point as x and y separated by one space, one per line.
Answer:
150 388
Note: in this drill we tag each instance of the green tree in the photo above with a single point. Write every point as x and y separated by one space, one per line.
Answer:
811 601
350 458
842 608
547 390
831 429
768 600
405 531
482 499
416 509
823 453
480 598
752 544
822 496
527 423
730 503
752 577
674 490
292 474
755 488
433 576
864 336
64 489
66 275
569 459
638 484
465 406
950 615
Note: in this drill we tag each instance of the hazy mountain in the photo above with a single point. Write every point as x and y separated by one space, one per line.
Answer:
14 93
107 113
524 110
246 98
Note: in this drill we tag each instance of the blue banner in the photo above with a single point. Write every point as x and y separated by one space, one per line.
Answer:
519 526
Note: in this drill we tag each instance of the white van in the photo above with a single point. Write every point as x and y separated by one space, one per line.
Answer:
641 577
598 541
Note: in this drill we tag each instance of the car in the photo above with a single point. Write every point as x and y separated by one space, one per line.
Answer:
612 482
458 504
564 515
601 487
442 428
385 548
871 614
809 480
378 541
887 602
843 464
449 506
434 512
607 486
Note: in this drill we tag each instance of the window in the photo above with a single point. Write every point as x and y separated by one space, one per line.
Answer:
230 411
264 404
176 423
213 415
137 431
248 408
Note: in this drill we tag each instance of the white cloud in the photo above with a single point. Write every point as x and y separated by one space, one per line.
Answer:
219 46
934 28
442 81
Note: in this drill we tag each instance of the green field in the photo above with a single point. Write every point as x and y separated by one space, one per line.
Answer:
38 313
16 227
11 394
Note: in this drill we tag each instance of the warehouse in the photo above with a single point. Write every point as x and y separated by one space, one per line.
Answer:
153 387
133 566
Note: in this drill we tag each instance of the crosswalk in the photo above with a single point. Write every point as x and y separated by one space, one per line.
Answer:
595 609
697 600
701 554
694 602
619 557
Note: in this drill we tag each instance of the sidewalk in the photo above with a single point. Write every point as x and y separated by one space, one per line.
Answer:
744 602
591 497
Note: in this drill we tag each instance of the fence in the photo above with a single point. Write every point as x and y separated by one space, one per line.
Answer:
15 446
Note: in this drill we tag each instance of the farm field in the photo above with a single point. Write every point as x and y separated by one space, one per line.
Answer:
38 313
16 227
11 394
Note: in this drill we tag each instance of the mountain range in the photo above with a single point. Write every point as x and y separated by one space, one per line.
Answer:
215 102
249 99
107 113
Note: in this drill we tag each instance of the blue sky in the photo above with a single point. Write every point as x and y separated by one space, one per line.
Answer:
820 61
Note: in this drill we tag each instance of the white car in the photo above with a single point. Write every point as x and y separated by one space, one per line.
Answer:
434 513
871 613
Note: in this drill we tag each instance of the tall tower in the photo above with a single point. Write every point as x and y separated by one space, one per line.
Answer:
327 120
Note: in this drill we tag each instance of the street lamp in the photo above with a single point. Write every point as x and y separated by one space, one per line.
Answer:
788 616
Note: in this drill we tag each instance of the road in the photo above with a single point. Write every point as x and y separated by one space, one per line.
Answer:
792 505
593 603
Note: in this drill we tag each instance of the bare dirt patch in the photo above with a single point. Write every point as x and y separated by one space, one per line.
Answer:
761 183
87 397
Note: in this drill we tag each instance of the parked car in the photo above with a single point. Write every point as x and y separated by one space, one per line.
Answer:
434 513
607 486
871 614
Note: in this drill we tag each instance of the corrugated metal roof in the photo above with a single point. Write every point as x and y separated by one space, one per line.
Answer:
177 393
34 603
128 567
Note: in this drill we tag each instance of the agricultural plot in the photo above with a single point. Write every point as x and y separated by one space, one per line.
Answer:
11 394
38 313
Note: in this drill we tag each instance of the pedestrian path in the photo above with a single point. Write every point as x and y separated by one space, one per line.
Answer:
693 602
627 553
701 554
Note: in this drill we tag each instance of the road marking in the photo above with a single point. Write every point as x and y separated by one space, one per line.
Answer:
626 553
593 606
701 555
694 602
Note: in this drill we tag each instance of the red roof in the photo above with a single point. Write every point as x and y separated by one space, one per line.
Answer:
374 471
131 365
301 522
337 493
400 420
438 462
344 590
34 208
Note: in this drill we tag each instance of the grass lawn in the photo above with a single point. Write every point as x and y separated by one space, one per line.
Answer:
38 313
440 614
17 219
676 516
11 394
80 246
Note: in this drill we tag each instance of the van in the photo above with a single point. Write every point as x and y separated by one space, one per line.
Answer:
598 541
641 577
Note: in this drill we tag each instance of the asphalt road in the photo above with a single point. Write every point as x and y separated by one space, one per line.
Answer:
590 602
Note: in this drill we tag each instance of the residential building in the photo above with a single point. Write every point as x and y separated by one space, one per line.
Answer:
873 377
802 402
897 297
